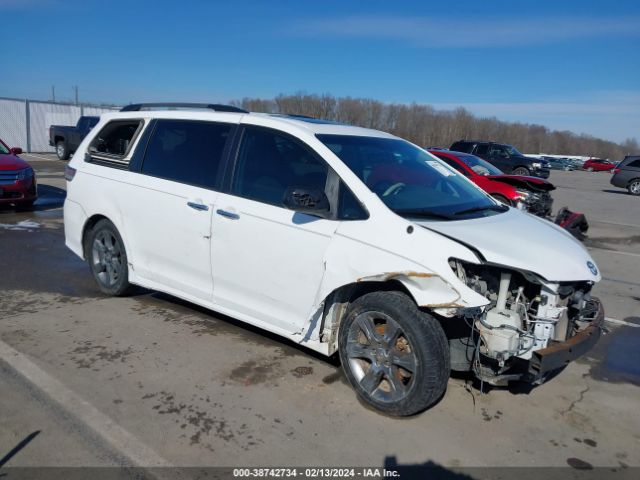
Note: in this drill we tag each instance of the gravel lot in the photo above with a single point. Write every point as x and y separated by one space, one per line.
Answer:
196 388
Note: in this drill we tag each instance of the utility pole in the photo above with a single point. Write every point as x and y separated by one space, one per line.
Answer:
76 92
53 93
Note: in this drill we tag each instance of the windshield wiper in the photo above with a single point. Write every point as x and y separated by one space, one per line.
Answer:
421 212
497 208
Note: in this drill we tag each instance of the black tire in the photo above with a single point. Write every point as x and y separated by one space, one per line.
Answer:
107 258
634 187
62 150
502 199
415 341
524 171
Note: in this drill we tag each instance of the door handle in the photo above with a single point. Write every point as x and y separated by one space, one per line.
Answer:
198 206
231 215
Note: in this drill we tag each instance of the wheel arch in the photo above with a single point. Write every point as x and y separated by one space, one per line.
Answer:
421 288
633 179
335 306
88 226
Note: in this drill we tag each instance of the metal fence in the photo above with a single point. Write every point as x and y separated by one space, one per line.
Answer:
25 123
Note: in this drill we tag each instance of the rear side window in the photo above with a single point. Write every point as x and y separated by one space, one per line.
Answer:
269 162
634 164
112 144
186 151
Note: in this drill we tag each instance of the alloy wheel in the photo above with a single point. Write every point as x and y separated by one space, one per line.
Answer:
381 357
634 187
106 256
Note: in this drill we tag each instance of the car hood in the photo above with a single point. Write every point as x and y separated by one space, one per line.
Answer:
524 242
12 162
520 181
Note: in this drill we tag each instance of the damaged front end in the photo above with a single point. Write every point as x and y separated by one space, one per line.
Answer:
530 328
538 203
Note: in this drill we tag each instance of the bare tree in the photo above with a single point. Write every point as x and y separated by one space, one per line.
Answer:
426 126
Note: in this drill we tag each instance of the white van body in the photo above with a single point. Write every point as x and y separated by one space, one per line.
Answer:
283 271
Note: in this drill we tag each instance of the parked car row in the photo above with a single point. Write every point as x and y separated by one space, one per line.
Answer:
555 163
527 193
505 157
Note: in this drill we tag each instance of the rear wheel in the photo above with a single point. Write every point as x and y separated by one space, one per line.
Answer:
521 171
395 356
107 258
590 169
634 187
62 150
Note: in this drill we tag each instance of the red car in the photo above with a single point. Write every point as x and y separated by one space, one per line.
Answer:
17 179
528 193
598 165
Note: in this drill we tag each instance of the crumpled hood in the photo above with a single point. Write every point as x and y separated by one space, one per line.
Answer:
532 183
522 241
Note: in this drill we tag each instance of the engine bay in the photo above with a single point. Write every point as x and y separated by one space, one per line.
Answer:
525 315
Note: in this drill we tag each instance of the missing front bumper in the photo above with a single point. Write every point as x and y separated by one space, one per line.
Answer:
560 354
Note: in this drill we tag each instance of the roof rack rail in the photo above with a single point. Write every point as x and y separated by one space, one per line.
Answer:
136 107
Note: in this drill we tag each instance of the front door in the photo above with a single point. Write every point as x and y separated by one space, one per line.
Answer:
268 261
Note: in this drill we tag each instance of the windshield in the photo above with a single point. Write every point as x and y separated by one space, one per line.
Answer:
408 180
513 151
480 166
3 148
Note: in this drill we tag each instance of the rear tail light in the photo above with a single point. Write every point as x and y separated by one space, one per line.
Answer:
616 170
69 173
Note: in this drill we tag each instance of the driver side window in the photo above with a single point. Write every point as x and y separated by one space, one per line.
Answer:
270 162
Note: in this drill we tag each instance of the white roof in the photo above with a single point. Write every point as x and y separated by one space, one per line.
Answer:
308 125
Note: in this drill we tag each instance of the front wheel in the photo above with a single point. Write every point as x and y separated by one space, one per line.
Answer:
634 187
395 356
107 258
590 169
62 150
524 171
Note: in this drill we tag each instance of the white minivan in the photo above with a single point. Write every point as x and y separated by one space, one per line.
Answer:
340 238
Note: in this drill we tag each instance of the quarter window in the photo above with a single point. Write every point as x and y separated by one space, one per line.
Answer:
269 163
186 151
634 164
113 142
115 139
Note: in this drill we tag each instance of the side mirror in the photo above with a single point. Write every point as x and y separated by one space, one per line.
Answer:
312 201
16 150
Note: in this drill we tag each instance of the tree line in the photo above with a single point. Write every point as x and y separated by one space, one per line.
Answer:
426 126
